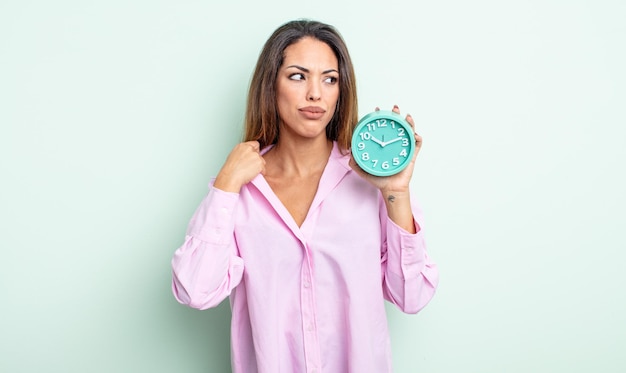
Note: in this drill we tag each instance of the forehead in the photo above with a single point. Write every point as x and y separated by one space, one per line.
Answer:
310 53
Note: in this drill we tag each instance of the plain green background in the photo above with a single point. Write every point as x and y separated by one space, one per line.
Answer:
115 114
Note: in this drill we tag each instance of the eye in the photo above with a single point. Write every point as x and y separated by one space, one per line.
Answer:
296 76
330 80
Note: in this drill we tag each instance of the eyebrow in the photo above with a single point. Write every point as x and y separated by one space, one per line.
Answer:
304 69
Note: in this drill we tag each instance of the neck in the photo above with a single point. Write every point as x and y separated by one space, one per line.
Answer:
300 158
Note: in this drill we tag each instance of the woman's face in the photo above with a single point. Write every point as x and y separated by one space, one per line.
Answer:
307 88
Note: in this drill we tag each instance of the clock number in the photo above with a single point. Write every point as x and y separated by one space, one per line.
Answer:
379 123
393 124
361 145
375 162
385 165
405 142
396 161
403 153
365 156
400 131
365 135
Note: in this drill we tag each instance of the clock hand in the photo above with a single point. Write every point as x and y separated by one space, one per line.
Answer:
392 141
377 141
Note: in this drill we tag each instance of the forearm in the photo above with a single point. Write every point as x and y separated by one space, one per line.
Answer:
203 274
206 268
410 277
399 210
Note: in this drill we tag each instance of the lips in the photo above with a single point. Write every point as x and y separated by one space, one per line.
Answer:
313 109
312 112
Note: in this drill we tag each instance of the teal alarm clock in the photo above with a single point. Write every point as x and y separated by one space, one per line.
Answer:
383 143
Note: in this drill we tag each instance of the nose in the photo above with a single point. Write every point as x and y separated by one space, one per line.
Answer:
314 92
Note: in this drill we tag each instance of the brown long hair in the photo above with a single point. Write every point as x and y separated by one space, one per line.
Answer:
261 121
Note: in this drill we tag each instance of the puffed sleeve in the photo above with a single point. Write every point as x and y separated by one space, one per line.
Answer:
206 267
410 278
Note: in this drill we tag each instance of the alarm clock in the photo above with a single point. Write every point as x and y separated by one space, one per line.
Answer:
383 143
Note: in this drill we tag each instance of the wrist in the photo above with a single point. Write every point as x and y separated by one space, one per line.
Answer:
227 184
397 192
398 204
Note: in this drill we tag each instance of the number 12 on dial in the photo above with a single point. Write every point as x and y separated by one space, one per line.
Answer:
383 143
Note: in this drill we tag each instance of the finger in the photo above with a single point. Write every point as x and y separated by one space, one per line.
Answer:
418 140
409 119
396 109
255 145
418 143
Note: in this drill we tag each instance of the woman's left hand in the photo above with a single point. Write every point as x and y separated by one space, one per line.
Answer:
400 181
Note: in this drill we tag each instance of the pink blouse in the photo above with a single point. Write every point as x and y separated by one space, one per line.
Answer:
308 298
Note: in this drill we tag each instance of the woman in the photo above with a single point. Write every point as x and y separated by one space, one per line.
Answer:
306 245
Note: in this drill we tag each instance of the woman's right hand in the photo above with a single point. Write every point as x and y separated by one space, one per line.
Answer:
243 164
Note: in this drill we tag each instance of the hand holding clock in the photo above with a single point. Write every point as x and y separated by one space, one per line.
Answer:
394 187
385 167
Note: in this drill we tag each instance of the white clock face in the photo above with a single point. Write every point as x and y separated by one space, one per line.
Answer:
383 144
